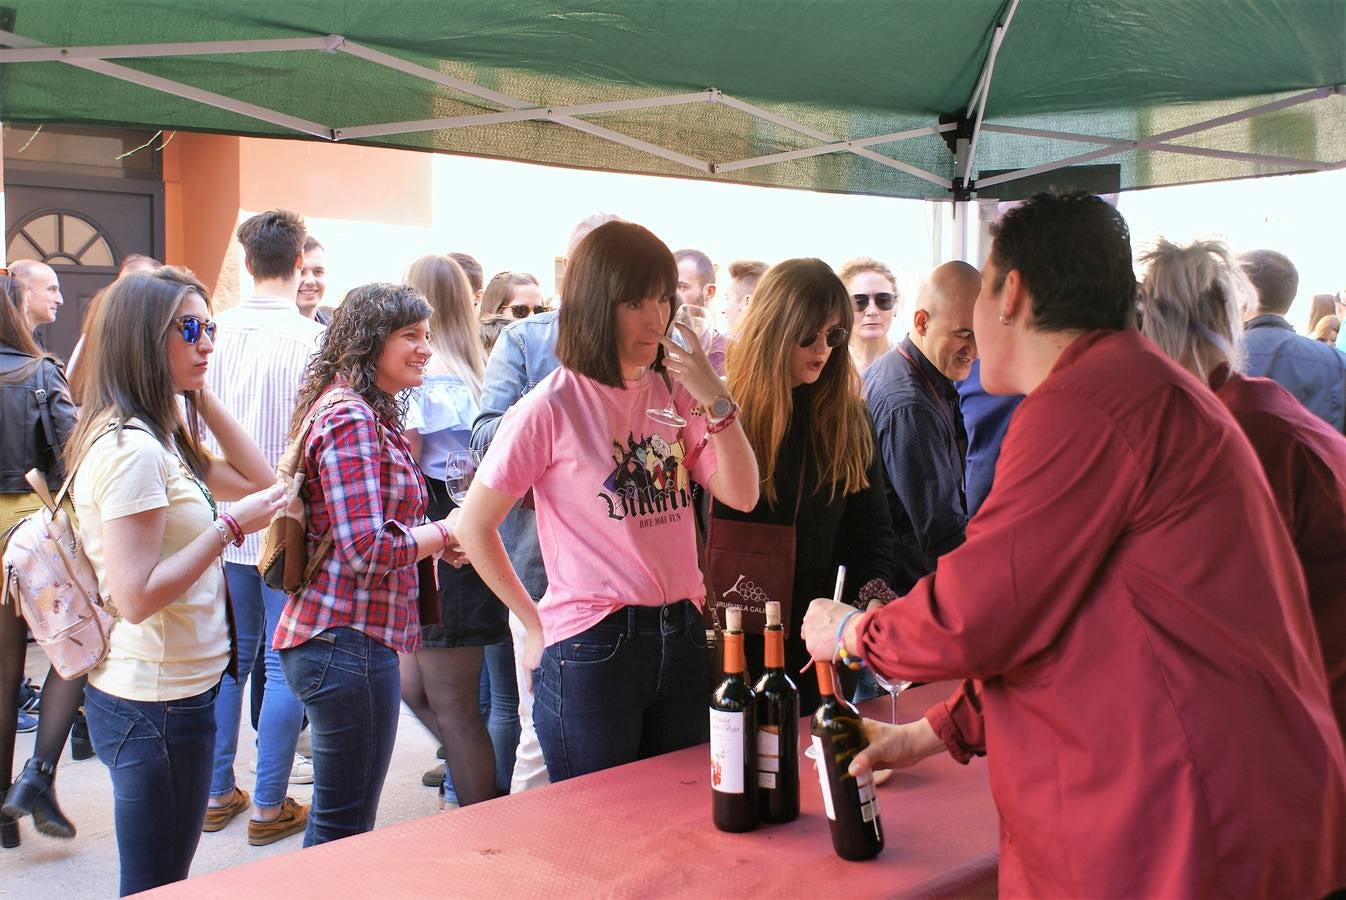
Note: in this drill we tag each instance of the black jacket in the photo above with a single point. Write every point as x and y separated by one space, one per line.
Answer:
36 417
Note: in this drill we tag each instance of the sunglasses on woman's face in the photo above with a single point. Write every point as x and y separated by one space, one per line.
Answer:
834 337
883 300
190 327
523 310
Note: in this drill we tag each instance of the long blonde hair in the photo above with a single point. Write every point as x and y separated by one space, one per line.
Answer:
794 299
453 321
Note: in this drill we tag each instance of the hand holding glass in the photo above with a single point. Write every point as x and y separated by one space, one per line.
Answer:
693 317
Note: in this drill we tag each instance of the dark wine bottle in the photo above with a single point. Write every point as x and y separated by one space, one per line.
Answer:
777 728
733 737
851 803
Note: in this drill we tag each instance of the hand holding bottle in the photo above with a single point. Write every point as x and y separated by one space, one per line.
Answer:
895 746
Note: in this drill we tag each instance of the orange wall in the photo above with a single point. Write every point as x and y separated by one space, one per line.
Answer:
201 202
336 181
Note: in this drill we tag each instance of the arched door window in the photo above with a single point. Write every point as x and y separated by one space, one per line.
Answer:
61 237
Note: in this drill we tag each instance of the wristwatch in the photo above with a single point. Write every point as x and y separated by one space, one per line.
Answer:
720 407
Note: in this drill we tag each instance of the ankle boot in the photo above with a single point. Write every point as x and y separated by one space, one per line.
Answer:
35 793
9 830
81 747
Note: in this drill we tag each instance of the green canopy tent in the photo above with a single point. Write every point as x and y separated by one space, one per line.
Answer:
904 98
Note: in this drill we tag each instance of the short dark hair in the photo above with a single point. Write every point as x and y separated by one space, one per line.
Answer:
1073 253
615 263
471 268
1274 277
705 269
272 241
312 243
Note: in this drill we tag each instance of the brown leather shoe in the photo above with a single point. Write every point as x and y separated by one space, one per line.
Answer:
219 816
293 819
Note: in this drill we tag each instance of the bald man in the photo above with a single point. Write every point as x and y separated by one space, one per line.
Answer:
911 395
41 291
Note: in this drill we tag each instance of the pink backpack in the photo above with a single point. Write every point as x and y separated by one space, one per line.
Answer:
47 573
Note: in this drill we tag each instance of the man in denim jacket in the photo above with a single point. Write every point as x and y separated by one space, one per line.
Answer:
1310 370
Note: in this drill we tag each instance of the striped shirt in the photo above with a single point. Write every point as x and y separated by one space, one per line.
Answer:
362 482
261 349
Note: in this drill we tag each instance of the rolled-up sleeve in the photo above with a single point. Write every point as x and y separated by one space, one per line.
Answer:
960 723
348 459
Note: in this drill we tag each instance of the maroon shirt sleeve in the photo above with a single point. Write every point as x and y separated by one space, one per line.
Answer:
959 723
1064 490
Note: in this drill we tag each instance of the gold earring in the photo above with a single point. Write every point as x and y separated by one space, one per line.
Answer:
1003 320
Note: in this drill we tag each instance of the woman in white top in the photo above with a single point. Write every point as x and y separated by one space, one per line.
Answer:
144 495
441 680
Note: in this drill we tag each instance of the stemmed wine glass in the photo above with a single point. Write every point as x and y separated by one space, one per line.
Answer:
459 469
892 688
694 317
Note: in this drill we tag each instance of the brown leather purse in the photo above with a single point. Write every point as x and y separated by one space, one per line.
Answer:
750 563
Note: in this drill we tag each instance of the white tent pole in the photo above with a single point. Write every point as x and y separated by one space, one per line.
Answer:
837 147
150 51
984 91
823 137
178 89
1162 137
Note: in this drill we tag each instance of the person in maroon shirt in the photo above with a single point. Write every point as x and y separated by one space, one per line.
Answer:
1128 612
1192 302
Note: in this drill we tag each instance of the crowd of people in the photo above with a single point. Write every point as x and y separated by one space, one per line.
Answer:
1114 512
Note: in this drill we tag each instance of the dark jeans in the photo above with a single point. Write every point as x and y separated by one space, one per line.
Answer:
159 756
351 689
630 687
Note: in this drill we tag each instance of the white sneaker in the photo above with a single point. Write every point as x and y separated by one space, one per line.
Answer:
302 770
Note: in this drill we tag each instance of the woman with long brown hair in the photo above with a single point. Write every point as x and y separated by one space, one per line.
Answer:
145 501
790 369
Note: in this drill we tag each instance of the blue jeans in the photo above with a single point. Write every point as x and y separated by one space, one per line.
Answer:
630 687
158 755
351 690
257 609
502 722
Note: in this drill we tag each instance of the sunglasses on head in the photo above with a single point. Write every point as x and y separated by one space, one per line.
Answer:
835 337
523 310
190 327
883 300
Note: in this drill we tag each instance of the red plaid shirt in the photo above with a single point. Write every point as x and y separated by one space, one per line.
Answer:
362 482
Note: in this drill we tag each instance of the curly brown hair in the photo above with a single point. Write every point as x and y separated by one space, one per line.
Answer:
352 345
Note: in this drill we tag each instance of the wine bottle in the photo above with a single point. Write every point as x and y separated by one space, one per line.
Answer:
851 803
733 737
777 728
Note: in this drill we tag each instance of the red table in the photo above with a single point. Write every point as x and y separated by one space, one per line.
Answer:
644 830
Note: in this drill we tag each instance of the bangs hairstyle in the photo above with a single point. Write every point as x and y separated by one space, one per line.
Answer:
126 366
1193 297
796 298
453 321
352 344
617 262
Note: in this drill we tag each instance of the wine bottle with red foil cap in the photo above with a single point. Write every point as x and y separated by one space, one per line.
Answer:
777 728
851 803
733 737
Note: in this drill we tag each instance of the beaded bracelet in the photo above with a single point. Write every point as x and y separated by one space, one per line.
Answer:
443 534
232 524
846 659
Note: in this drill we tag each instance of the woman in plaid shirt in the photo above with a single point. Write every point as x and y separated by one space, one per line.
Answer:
340 635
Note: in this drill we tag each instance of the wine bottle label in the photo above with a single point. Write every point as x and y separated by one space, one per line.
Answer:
820 764
726 751
869 800
768 756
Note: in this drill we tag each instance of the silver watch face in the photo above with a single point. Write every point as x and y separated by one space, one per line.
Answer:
721 407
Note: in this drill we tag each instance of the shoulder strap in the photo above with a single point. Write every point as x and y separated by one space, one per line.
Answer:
289 461
39 484
43 395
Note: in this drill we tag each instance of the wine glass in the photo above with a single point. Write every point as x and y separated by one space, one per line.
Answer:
892 688
694 317
459 469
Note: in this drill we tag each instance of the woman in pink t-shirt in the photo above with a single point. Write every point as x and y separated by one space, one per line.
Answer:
624 672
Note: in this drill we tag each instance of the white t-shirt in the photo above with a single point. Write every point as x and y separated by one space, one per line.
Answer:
614 516
181 650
